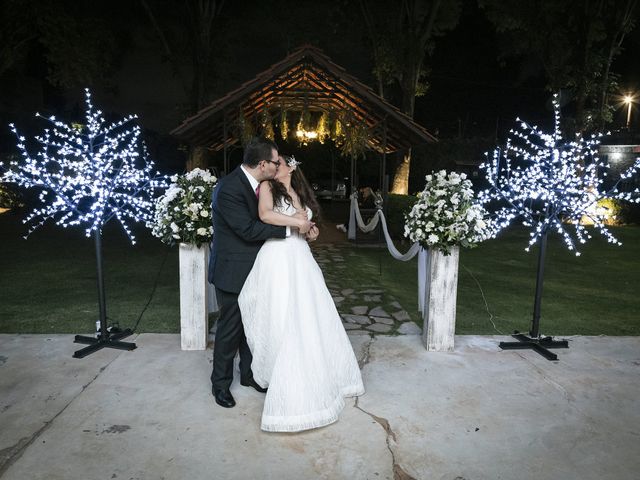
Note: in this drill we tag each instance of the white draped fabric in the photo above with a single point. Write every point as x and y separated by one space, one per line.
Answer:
355 218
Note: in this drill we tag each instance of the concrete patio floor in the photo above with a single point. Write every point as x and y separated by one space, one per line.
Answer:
476 413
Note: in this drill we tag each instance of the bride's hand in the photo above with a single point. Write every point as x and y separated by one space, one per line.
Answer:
304 226
313 233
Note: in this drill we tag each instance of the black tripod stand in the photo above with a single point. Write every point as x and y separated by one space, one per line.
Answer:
104 338
534 340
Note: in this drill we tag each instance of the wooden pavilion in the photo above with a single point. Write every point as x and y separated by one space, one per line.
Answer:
305 81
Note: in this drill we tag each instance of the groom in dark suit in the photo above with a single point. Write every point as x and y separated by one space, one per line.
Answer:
238 235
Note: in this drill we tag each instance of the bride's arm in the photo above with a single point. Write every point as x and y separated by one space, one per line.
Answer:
267 215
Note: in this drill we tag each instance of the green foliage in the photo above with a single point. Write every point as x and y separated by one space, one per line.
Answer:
9 198
401 35
595 294
453 154
284 125
183 213
356 138
611 208
574 42
446 214
398 206
244 129
629 213
81 47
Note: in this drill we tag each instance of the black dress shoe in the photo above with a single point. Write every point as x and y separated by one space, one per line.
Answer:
254 384
224 398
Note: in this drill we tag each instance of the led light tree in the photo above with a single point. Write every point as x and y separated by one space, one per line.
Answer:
552 185
88 175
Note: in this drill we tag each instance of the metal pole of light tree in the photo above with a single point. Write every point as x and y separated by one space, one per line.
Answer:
105 339
534 340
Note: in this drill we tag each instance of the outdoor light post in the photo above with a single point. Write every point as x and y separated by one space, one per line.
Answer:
104 338
628 99
534 341
551 184
89 174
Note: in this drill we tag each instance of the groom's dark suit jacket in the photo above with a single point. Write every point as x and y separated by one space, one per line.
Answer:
238 233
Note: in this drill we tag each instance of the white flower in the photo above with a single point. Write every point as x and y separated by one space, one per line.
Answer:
433 238
180 211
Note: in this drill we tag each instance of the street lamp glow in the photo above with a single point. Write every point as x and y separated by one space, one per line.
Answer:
629 99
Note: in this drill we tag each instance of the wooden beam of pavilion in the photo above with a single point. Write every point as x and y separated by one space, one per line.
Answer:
305 79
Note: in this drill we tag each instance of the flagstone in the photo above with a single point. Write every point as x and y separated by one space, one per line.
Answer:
402 315
372 298
409 328
361 319
378 312
378 327
385 320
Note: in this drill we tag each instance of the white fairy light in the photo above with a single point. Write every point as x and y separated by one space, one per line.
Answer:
89 174
551 183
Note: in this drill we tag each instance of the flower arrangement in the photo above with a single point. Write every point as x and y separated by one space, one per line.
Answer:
446 215
183 213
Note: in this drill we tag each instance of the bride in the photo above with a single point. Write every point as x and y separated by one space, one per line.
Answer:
301 351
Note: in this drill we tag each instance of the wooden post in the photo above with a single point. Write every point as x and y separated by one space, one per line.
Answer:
193 297
440 300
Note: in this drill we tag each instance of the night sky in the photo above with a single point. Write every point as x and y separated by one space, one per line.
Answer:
470 93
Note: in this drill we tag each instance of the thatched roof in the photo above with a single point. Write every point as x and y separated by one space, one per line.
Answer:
305 79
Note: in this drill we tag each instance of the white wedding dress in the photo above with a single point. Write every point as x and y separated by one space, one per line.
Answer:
300 349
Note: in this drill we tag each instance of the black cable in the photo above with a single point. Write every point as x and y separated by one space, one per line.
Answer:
153 291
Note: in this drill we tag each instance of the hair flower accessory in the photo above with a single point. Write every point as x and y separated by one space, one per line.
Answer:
292 163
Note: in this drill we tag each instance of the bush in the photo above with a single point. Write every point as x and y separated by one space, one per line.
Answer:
397 206
629 213
9 198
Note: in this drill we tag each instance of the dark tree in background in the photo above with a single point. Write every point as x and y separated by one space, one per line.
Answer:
185 29
574 42
402 36
79 47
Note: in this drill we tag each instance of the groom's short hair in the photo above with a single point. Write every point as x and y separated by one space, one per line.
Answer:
258 149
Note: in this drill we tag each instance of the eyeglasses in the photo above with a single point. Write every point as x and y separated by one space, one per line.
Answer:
277 164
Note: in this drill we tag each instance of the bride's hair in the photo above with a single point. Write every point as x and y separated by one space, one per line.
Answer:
301 186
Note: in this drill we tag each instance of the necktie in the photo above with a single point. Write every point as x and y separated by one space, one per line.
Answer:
258 191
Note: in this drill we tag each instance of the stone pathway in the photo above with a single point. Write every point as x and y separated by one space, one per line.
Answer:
365 309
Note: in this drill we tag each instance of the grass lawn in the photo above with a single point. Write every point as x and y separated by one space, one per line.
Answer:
593 294
47 283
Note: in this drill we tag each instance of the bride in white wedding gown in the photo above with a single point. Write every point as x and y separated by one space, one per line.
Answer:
300 349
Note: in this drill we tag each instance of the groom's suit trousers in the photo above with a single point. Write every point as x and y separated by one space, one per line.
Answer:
230 338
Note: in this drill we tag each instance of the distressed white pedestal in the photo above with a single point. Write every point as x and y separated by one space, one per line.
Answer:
441 290
194 291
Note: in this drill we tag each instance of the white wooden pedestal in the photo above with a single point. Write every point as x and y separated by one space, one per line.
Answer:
440 300
194 291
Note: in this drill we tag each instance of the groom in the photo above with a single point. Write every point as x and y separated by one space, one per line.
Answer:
238 235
